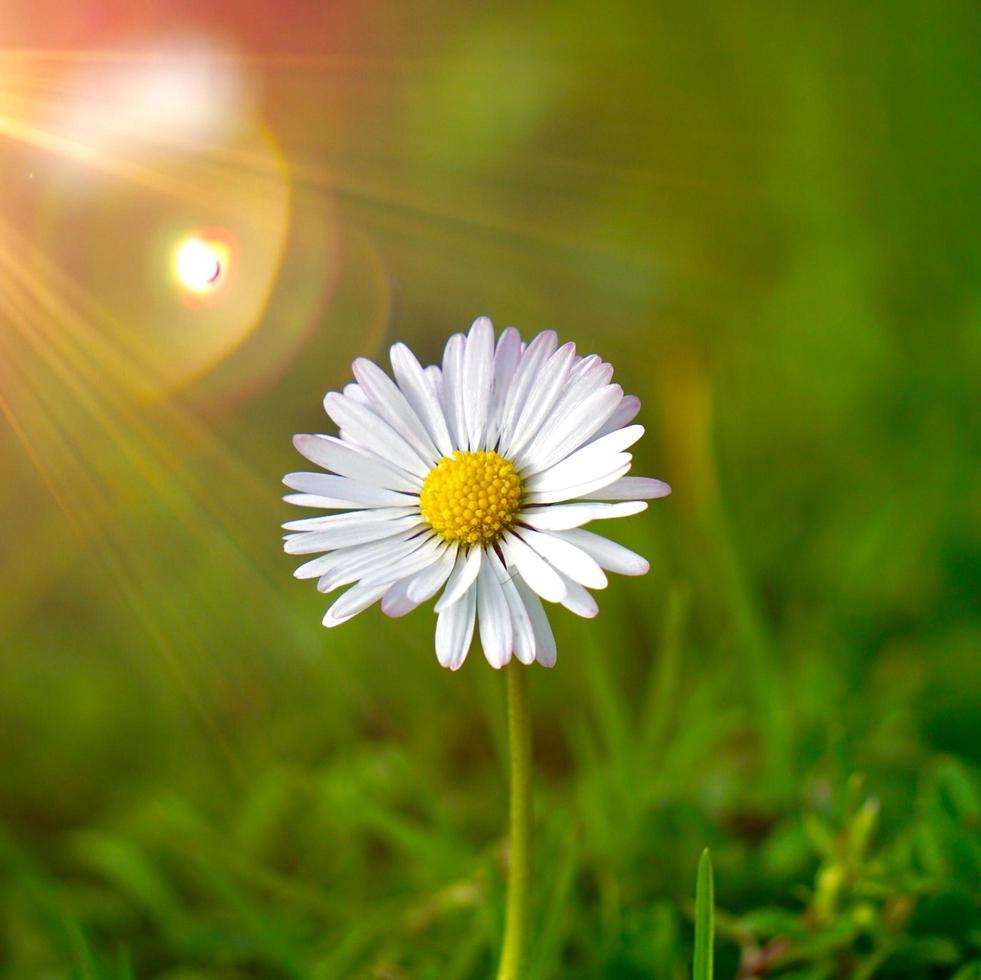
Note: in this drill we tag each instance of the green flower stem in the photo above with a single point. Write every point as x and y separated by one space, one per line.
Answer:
519 849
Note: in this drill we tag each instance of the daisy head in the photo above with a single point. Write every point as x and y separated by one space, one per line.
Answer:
472 479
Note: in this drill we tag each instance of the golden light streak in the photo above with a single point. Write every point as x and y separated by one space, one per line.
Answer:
85 422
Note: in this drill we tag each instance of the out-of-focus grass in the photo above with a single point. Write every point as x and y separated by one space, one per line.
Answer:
768 221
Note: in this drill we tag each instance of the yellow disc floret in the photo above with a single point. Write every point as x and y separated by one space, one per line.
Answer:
471 497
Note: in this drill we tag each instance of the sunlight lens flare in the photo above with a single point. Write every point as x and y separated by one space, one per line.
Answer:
199 265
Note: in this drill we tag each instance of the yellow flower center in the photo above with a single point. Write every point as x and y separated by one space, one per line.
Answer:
470 498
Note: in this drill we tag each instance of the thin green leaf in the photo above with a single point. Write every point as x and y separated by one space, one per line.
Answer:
704 919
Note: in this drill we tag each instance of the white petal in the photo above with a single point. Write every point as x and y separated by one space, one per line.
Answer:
310 542
320 503
349 604
453 392
478 377
521 627
463 576
494 617
351 564
390 404
434 377
533 568
589 375
332 454
355 391
409 592
577 600
576 490
421 394
327 485
351 518
564 556
631 488
544 638
506 359
373 432
320 566
315 567
552 382
610 555
426 583
567 430
352 602
454 630
623 415
395 602
559 517
423 556
524 380
596 457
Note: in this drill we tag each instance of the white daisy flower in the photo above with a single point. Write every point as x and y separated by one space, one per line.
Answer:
476 478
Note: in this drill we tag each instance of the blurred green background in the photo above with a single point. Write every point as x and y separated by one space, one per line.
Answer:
766 216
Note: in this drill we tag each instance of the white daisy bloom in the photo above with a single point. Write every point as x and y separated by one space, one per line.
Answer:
474 478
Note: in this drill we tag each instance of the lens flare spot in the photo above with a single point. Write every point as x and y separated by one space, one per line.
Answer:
198 265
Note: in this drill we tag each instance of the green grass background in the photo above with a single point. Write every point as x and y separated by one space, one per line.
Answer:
766 216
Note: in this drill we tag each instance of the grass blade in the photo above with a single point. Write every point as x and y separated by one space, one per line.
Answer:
704 919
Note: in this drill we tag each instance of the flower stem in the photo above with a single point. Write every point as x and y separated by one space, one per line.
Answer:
519 848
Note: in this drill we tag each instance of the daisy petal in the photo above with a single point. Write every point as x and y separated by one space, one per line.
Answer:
429 550
559 517
369 429
348 605
544 638
454 630
357 494
609 555
577 600
425 584
463 576
406 594
595 457
434 376
421 395
549 387
494 617
506 359
631 488
322 565
578 490
309 542
623 415
453 391
589 374
320 503
478 375
566 558
525 377
521 627
356 392
395 602
332 454
566 431
351 518
351 564
388 402
533 568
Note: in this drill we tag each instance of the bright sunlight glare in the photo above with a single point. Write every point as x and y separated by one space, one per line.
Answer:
198 265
